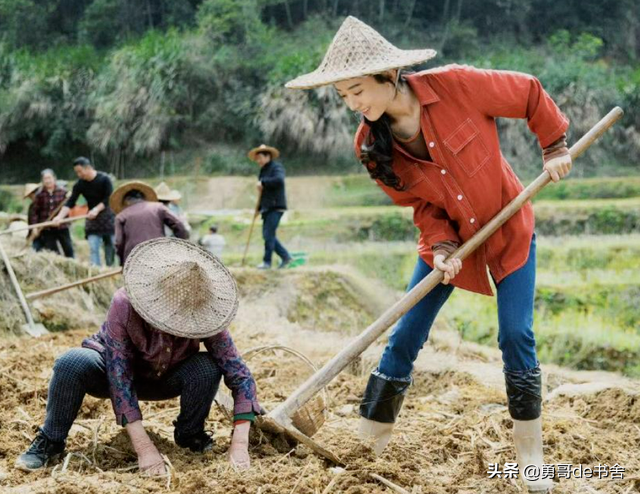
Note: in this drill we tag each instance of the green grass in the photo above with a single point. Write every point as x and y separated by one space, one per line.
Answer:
582 338
592 188
390 223
587 316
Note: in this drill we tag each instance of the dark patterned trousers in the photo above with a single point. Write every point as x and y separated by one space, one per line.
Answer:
82 371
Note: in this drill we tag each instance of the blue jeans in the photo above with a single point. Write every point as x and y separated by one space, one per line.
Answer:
95 240
270 222
515 319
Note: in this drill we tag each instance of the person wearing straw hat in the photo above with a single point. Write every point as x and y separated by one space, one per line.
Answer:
139 217
29 192
176 295
273 202
47 202
430 141
171 199
18 222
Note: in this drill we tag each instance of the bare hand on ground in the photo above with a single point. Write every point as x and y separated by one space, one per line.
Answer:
150 462
559 167
450 268
239 449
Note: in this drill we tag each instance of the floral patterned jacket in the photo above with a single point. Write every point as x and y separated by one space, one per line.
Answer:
132 348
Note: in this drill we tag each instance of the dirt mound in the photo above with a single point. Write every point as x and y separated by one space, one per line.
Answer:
453 425
314 298
72 309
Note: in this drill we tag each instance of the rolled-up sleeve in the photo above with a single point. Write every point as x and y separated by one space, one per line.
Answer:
503 93
237 376
119 358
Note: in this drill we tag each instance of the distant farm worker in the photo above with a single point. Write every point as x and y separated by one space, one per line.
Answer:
171 199
96 188
175 297
29 192
430 141
273 202
48 202
139 217
213 242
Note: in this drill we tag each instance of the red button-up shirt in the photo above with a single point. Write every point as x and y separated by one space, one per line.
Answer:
468 180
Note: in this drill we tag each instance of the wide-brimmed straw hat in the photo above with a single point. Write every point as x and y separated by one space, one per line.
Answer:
29 189
165 193
116 201
179 288
358 50
263 148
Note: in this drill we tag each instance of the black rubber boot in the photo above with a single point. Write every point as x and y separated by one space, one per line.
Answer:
524 394
379 409
383 399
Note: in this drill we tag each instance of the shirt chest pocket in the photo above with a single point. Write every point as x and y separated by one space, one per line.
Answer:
415 181
467 147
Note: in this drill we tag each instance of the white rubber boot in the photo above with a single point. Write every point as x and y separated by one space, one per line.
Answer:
377 432
527 435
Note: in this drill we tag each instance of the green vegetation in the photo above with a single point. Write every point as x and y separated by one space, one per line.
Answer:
9 201
598 216
166 87
587 315
592 188
389 223
588 279
180 91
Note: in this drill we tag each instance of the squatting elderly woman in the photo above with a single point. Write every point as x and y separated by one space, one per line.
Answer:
430 141
176 295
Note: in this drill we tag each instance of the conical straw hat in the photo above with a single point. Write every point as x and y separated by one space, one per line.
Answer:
165 193
179 288
116 201
358 50
30 189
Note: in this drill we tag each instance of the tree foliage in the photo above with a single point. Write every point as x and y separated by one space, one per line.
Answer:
126 80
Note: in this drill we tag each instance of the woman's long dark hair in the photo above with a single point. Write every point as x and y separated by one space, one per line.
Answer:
376 151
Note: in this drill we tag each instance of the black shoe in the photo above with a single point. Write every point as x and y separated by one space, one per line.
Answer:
285 263
41 453
199 442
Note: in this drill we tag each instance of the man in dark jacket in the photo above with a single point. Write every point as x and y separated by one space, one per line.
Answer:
273 202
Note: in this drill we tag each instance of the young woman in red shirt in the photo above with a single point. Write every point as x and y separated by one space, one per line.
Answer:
430 141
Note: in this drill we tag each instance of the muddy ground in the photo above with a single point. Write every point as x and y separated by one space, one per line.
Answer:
453 425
